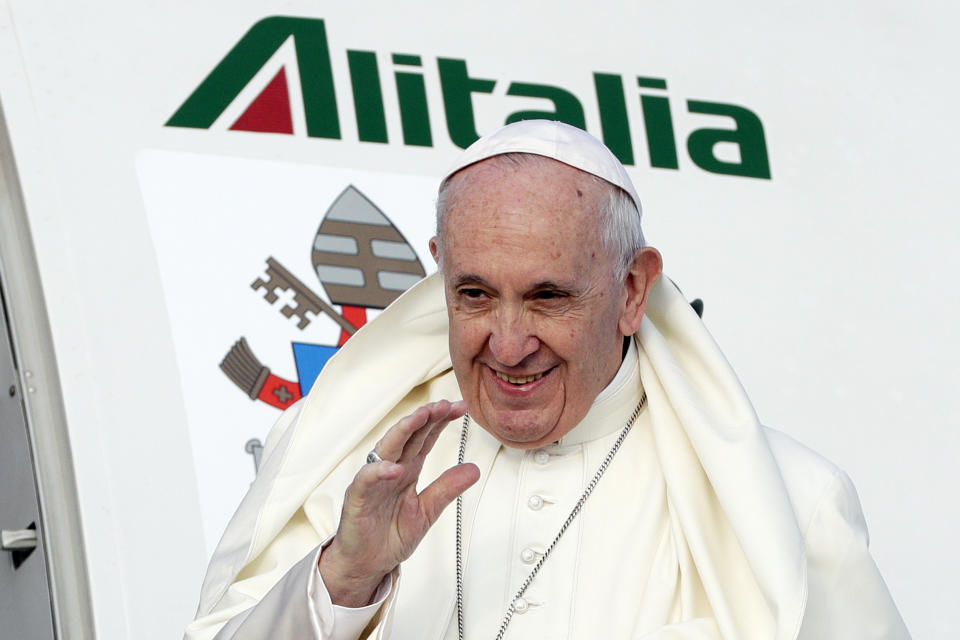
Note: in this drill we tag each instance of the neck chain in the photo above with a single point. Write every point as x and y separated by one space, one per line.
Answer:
512 607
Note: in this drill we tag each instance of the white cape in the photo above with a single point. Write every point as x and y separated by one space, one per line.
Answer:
775 533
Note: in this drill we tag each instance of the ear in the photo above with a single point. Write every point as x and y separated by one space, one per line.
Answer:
643 273
435 250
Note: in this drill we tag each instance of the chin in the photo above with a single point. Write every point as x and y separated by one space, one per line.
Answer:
516 432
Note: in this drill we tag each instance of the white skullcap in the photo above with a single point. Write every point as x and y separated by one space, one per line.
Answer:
550 139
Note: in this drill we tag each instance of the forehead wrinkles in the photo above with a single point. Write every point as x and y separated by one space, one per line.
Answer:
519 194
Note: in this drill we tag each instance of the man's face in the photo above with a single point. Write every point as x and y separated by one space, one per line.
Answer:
535 314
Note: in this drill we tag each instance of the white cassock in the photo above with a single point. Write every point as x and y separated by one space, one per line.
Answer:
705 525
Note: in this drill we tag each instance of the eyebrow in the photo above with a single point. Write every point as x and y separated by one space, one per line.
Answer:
552 284
474 279
469 278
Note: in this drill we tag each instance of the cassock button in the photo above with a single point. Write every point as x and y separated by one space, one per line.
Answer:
528 555
520 605
535 502
541 457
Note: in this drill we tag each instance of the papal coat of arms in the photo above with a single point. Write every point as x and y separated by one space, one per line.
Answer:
362 261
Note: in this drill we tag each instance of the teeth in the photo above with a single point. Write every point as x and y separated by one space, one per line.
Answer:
523 380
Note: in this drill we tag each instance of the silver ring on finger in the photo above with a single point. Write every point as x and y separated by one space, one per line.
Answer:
373 456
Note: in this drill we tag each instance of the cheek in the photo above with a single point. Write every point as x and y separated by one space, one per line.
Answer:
466 340
589 342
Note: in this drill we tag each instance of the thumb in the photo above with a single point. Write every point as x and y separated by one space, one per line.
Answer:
442 491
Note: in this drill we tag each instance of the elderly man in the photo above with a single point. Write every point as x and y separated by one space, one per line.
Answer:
613 479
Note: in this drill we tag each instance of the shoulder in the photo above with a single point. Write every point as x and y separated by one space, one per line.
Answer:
846 595
812 482
793 455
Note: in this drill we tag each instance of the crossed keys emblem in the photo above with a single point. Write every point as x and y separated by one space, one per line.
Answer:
362 261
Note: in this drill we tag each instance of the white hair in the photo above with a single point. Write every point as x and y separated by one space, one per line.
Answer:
619 220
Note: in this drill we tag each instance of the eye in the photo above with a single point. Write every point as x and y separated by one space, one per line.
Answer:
467 292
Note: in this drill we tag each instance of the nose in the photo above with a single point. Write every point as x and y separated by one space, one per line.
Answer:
512 338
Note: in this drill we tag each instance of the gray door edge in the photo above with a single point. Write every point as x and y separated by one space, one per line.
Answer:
62 533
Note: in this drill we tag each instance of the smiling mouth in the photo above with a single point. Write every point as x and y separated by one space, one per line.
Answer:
519 381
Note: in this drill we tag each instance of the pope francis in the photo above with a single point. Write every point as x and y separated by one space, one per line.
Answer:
607 474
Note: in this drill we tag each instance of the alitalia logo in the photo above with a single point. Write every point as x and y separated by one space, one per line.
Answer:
613 96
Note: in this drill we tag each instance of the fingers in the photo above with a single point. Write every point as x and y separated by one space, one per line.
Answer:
405 440
442 491
420 430
393 441
422 443
430 438
376 482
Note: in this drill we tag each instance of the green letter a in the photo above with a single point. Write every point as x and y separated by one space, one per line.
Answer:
748 136
239 66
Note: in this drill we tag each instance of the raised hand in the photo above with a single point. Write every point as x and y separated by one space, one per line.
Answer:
384 518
